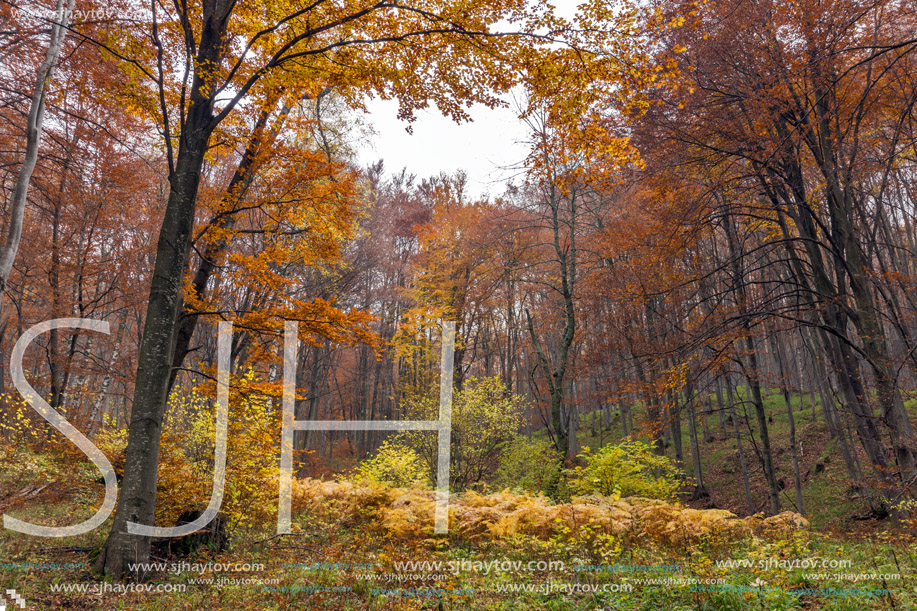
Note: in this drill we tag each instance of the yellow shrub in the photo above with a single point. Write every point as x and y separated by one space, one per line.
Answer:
19 422
396 464
630 468
187 455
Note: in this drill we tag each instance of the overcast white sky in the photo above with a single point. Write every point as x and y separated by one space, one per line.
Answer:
486 149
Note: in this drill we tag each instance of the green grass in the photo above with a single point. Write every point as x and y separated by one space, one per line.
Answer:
826 501
324 539
751 588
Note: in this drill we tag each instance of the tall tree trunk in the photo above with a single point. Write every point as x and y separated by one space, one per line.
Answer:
700 489
721 408
231 201
730 397
750 367
33 132
840 200
705 412
797 479
832 317
137 501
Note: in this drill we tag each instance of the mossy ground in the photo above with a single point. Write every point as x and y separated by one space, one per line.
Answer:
336 563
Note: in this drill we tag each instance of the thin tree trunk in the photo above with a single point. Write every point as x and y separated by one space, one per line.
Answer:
730 397
33 131
751 368
700 489
721 407
797 479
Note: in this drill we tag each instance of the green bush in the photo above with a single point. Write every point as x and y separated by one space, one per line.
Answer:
630 468
530 465
484 418
396 464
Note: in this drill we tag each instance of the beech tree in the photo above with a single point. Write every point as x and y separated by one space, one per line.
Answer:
33 131
212 65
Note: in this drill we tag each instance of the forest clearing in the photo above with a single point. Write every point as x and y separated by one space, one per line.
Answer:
659 353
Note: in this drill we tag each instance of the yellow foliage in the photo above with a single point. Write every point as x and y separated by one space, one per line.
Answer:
187 455
407 513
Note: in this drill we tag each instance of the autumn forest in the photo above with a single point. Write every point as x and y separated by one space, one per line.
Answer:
670 362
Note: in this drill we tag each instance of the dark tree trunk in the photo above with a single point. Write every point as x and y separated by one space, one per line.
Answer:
137 500
751 367
730 397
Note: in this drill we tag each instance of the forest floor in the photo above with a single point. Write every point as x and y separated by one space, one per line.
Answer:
358 548
830 503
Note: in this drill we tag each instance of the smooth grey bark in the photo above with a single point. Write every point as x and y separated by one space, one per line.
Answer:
33 131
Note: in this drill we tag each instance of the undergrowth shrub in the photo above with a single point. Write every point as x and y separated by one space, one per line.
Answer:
20 465
188 446
112 441
484 418
602 525
19 422
32 452
396 464
531 465
630 468
907 513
